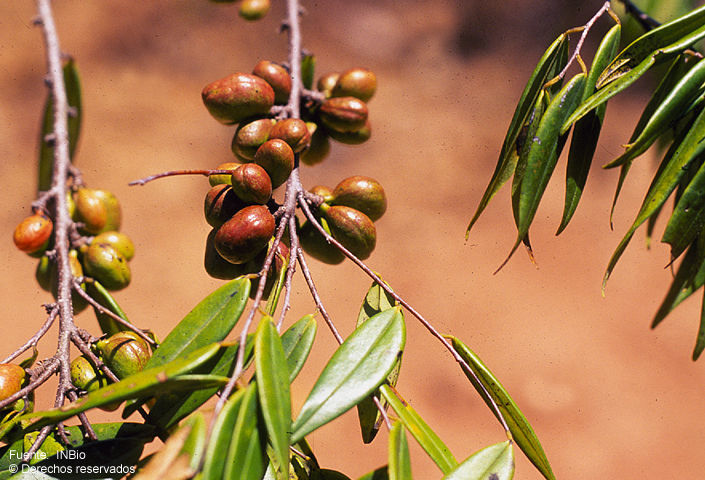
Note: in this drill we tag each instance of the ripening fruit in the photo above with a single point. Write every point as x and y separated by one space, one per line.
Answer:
119 241
252 184
43 273
106 265
33 233
125 353
344 114
357 82
237 97
11 379
85 376
323 191
218 267
221 204
361 193
352 228
316 245
277 159
98 210
250 136
319 148
254 9
327 82
242 237
222 178
294 132
352 138
277 77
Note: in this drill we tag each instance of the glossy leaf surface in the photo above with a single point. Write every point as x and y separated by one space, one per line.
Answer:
297 341
399 459
495 462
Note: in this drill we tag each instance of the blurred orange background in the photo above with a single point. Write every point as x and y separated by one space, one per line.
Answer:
608 397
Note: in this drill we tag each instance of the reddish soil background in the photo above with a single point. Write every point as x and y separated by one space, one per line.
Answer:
608 397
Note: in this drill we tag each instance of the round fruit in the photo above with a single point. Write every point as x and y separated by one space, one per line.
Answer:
327 82
252 184
277 159
352 228
250 136
316 245
357 82
87 377
98 210
344 114
222 178
221 204
242 237
352 138
125 353
106 265
237 97
277 77
361 193
11 379
294 132
322 191
218 267
318 149
119 241
254 9
33 233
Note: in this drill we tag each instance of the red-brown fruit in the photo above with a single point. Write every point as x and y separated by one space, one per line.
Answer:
361 193
327 82
242 237
237 97
221 204
250 136
352 138
294 132
33 233
277 77
252 184
344 114
357 82
11 378
277 159
352 228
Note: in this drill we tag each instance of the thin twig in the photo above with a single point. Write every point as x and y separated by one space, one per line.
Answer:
647 22
35 338
173 173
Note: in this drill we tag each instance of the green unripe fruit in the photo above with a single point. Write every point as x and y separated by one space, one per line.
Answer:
357 82
11 380
33 233
294 132
316 245
352 138
322 191
216 266
79 303
277 159
242 237
222 178
352 228
343 114
98 210
319 148
221 204
119 241
327 82
277 77
106 265
43 273
85 376
237 97
361 193
252 184
125 353
254 9
250 136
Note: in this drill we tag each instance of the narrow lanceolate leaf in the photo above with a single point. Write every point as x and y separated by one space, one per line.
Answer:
427 438
46 150
542 155
587 130
377 300
308 67
247 453
196 440
688 217
273 389
148 382
210 321
670 38
519 426
221 436
297 341
550 63
674 106
495 462
663 184
399 459
357 367
108 325
273 299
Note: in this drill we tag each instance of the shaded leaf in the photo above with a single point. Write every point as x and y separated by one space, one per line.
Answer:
273 389
308 67
357 367
277 288
700 339
399 459
327 474
170 461
297 341
108 325
495 462
427 438
196 440
519 426
246 454
379 474
688 217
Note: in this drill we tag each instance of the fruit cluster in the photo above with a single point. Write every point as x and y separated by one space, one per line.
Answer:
99 250
124 353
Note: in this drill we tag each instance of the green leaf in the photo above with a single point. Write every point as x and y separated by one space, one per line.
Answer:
668 39
308 68
399 459
357 367
108 325
552 61
700 339
221 436
273 389
277 288
427 438
688 218
327 474
672 169
495 462
379 474
210 321
72 84
196 441
587 130
297 341
518 425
